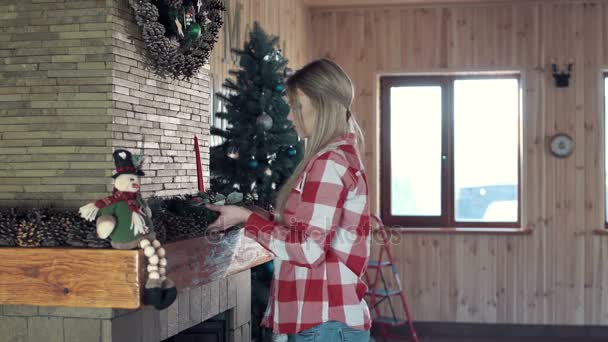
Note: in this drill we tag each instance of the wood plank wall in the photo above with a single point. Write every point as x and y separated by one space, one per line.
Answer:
556 274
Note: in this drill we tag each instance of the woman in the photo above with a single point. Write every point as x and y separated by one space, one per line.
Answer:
320 234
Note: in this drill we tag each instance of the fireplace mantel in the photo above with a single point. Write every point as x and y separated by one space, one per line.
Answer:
60 290
115 278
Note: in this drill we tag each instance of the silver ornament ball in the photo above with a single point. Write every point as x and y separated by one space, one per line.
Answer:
264 121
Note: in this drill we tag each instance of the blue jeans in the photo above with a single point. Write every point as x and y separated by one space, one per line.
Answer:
331 331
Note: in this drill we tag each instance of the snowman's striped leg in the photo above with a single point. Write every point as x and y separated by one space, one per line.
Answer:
162 262
168 289
153 259
153 292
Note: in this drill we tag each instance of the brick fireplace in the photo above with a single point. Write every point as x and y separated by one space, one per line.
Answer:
74 86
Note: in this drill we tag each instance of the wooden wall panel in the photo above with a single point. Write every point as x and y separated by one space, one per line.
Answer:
556 274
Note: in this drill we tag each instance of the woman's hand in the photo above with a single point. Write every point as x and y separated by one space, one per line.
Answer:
230 216
261 212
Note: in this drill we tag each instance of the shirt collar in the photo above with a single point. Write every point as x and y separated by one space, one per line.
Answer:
346 138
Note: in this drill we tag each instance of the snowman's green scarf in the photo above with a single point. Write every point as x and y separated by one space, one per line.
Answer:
120 196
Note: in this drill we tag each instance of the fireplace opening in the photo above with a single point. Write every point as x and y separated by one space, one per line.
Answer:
211 330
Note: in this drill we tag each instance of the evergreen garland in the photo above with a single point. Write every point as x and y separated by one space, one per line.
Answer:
175 218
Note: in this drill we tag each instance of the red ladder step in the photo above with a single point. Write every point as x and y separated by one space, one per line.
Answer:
383 293
376 264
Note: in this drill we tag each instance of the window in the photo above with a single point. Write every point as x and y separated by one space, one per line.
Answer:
217 105
450 151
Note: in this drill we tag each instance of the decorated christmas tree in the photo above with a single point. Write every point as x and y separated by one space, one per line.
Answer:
260 149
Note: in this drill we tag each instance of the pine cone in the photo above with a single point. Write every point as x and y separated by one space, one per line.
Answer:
159 221
45 234
93 241
146 12
77 232
26 234
174 3
44 228
59 226
91 238
153 31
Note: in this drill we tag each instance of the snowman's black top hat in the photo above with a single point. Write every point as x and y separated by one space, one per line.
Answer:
123 160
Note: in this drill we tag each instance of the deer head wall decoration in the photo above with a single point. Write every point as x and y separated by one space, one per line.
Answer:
562 77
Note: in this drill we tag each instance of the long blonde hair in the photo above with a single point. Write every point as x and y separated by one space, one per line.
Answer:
331 93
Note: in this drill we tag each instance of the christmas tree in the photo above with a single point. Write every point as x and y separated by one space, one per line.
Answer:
260 149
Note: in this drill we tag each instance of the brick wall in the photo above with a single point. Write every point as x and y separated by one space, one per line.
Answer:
168 113
73 87
196 304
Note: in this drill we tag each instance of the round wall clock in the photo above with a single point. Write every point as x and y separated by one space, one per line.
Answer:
561 145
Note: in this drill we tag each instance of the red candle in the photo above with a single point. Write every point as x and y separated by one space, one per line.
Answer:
199 168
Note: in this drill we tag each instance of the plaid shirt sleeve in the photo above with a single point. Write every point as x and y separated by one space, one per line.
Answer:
311 214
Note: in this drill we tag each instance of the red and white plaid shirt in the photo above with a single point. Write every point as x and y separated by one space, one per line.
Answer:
322 249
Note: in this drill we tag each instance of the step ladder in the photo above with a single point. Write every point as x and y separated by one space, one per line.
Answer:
379 292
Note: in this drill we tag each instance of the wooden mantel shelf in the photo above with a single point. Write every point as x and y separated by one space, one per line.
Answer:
115 278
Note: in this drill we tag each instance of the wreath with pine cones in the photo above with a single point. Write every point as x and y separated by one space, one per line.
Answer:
179 34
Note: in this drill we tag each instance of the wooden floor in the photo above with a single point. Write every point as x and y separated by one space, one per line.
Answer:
466 332
499 339
495 339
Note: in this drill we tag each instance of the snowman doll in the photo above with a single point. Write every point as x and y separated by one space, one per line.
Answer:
125 218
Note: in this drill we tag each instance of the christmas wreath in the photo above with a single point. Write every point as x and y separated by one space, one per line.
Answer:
179 34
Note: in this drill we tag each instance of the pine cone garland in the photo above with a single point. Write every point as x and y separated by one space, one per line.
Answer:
177 218
185 217
171 60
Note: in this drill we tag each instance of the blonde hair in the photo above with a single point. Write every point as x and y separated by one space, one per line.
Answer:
331 93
